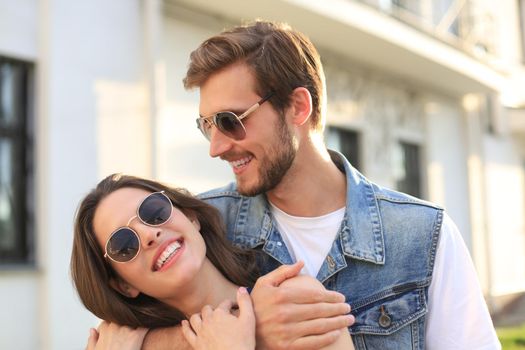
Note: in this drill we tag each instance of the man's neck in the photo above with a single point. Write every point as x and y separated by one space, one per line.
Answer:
313 186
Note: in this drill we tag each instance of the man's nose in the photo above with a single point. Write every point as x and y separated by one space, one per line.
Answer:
219 143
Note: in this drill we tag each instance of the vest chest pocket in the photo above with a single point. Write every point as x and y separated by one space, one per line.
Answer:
390 321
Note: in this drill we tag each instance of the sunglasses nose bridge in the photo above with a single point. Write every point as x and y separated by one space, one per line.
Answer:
131 219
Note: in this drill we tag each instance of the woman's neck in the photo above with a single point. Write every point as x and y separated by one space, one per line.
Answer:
209 287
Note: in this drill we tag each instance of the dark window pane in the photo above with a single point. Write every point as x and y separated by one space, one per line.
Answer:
408 169
11 91
345 141
7 223
16 162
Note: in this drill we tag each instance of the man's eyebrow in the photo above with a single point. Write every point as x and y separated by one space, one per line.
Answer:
236 111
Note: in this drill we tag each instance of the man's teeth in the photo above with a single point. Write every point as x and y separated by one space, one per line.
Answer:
240 162
166 254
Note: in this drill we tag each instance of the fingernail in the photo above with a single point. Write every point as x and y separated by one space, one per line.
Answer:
350 319
242 290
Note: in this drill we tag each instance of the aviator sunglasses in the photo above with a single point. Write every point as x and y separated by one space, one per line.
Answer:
123 244
229 123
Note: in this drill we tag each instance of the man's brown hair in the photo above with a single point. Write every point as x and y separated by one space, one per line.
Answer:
281 59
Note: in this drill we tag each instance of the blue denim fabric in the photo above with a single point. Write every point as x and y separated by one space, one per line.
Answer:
381 259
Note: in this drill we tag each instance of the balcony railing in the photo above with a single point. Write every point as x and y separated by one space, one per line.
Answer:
467 24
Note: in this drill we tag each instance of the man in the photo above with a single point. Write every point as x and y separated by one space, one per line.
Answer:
399 261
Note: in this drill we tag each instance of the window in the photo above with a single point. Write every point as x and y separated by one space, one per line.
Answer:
407 169
15 162
488 115
345 141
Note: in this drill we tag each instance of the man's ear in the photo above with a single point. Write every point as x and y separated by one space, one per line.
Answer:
301 105
124 288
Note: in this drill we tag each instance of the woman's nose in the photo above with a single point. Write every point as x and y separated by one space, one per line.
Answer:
152 237
149 235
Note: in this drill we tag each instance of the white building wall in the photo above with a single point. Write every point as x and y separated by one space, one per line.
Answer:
18 28
86 49
182 151
18 302
505 188
446 160
19 285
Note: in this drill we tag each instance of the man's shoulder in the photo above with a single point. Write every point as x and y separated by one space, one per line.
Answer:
227 197
228 191
244 216
396 197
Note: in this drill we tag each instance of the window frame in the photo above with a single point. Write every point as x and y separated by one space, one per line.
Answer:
521 19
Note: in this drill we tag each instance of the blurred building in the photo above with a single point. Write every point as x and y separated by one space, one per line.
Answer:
426 96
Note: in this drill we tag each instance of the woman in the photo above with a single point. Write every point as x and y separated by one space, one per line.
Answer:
145 255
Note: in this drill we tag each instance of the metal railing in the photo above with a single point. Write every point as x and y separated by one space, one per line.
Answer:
467 24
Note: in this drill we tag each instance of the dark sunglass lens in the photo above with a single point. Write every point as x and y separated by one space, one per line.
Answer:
123 245
155 210
230 125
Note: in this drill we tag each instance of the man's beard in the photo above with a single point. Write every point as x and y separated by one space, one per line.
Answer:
272 170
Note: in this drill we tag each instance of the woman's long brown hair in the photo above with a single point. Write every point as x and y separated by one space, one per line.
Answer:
91 272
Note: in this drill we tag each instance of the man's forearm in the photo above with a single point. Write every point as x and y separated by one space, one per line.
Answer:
170 338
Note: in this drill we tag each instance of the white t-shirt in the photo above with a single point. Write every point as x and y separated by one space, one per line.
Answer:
454 283
455 286
308 238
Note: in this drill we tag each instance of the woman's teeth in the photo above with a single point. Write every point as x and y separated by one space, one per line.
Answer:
166 254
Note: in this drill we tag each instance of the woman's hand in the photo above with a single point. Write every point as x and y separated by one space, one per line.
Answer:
220 330
113 336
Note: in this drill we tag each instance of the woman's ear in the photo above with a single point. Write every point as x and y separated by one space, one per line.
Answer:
124 288
301 103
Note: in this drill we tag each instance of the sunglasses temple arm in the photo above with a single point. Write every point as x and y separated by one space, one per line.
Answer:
255 106
251 109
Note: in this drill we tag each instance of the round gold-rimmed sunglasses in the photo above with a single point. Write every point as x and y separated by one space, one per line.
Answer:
123 244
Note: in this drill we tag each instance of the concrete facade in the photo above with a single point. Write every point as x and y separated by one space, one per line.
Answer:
109 98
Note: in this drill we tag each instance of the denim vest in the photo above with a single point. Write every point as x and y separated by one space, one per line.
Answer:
381 259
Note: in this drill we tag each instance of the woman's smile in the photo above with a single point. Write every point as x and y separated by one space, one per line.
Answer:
167 253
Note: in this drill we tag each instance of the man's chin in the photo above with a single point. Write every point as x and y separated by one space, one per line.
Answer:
252 190
249 190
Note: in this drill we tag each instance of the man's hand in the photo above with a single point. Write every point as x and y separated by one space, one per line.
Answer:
297 315
219 329
113 336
